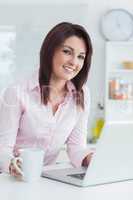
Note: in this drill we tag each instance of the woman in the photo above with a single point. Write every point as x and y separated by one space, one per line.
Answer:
52 108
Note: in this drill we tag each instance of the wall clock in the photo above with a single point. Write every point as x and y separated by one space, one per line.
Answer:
117 25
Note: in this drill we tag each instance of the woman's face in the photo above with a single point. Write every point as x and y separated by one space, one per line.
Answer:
69 58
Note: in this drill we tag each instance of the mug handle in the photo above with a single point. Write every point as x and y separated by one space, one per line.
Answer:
14 161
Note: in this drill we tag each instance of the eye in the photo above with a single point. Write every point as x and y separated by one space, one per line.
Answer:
66 51
81 57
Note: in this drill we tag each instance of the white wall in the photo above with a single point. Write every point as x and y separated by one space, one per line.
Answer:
29 24
91 19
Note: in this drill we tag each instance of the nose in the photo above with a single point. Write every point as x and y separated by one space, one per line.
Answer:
74 60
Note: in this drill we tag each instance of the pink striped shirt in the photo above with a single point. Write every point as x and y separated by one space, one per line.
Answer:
25 122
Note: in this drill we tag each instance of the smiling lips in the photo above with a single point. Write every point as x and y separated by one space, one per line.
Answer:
69 69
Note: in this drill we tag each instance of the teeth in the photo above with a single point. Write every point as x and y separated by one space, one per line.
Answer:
68 68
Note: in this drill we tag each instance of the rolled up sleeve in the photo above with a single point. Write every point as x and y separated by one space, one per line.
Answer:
77 141
10 111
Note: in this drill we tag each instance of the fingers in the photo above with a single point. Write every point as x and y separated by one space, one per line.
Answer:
19 163
88 159
13 170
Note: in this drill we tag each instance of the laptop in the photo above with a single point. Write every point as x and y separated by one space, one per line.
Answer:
112 161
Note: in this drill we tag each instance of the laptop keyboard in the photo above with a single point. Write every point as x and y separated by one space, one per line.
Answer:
79 176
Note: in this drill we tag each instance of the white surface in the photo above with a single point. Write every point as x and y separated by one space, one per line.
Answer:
49 190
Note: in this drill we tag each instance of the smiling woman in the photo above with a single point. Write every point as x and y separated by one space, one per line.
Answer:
52 108
68 60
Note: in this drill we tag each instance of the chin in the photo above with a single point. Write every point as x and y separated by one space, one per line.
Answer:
67 77
70 77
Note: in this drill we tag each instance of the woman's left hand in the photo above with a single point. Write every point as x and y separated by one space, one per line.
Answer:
87 159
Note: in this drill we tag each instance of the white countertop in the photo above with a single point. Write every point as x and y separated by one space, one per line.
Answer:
11 189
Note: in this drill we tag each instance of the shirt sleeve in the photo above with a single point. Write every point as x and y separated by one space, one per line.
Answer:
10 111
77 141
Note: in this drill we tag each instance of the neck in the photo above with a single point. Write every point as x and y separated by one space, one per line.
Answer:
57 91
57 85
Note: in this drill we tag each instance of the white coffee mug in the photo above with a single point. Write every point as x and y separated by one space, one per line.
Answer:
31 163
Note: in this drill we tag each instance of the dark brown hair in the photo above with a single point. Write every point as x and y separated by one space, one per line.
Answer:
52 41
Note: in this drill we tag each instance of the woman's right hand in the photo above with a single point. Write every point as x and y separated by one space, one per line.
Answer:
13 169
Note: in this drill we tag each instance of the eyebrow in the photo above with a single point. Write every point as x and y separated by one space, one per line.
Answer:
72 48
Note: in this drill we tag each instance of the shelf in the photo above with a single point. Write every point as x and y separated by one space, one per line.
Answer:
121 71
120 101
119 82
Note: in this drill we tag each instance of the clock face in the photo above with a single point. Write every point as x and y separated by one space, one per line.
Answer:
117 25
